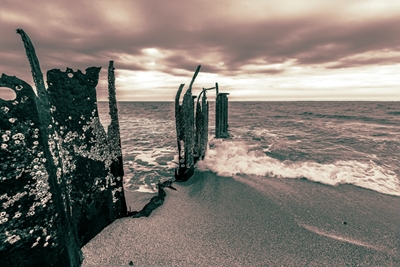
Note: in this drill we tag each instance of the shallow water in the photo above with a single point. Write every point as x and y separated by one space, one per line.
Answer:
333 143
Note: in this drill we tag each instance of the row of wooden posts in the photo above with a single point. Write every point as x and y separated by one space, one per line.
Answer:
61 173
192 126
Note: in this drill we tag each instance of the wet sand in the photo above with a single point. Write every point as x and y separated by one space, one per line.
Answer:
135 201
219 221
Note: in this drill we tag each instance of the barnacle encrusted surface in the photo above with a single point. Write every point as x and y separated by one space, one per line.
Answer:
85 151
52 161
28 218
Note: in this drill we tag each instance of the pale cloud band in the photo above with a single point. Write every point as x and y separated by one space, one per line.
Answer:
258 50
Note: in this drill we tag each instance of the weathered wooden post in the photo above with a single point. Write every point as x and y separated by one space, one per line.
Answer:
66 232
36 227
196 148
116 167
184 116
221 115
201 125
60 172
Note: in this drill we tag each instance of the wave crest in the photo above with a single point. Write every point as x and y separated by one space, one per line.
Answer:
232 157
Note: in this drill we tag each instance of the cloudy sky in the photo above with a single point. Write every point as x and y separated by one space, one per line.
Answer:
255 50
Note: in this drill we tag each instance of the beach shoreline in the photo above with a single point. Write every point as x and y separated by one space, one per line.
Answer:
221 221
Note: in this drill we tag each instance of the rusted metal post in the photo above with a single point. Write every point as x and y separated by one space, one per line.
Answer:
196 148
202 114
116 167
179 132
203 126
67 233
221 116
37 223
60 172
184 116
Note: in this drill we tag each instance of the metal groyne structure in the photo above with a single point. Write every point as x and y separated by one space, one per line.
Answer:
61 173
192 126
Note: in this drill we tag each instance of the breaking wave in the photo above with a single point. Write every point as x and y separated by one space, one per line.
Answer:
232 157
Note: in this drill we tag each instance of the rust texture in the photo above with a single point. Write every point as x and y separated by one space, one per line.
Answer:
116 167
191 130
179 133
33 229
201 126
221 116
184 116
85 151
60 172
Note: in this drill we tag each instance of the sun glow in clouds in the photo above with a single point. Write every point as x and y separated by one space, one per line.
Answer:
258 50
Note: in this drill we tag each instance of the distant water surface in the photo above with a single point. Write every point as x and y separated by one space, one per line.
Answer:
333 143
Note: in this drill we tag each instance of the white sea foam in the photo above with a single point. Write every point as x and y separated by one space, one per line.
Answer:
340 238
147 160
231 157
147 189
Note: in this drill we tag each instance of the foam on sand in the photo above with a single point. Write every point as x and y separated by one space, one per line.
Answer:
232 157
340 238
214 221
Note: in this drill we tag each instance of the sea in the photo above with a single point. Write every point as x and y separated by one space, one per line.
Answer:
332 143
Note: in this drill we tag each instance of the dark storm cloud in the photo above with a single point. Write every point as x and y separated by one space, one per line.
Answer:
350 63
308 40
180 62
79 34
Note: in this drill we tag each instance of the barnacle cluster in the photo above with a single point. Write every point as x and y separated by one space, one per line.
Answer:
23 207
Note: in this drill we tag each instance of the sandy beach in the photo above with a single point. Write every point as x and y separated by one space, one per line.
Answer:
221 221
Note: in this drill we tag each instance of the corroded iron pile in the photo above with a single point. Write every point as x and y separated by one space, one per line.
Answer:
192 126
60 172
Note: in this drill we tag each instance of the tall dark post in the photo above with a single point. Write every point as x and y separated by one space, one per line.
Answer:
67 235
201 125
116 167
184 116
195 144
60 173
221 115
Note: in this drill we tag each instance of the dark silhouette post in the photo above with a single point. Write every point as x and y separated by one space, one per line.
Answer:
116 167
66 231
60 171
221 116
201 125
184 117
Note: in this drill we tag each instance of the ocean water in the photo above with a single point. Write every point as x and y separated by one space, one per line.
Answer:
333 143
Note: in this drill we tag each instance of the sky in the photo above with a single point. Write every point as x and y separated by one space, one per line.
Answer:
256 50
